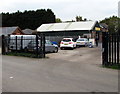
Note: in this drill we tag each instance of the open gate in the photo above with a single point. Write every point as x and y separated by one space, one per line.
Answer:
111 48
17 44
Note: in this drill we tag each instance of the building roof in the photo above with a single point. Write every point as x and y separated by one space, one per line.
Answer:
103 25
69 26
28 31
7 30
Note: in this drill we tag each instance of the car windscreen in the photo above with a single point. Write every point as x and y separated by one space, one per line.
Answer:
48 42
80 40
66 40
33 42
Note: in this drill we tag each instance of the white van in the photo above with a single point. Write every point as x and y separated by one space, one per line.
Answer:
26 40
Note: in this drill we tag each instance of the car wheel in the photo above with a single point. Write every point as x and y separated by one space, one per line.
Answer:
56 50
61 48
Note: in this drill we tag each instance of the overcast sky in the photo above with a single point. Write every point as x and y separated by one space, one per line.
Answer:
65 9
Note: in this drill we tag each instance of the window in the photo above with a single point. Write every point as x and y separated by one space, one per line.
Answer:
48 42
80 39
66 40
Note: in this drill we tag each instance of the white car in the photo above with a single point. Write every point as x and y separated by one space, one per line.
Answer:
67 43
82 42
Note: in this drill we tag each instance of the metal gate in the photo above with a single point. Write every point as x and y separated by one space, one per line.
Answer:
19 44
111 49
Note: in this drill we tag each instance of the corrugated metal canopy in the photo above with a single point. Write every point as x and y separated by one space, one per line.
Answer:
69 26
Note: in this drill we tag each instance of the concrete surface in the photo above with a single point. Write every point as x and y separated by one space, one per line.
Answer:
77 70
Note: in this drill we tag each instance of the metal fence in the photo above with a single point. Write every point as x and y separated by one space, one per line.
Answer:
26 45
111 49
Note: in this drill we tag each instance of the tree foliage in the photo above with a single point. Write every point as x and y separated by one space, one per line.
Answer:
80 18
28 19
112 22
58 20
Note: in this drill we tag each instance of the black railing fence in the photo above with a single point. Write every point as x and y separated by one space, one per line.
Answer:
26 45
111 49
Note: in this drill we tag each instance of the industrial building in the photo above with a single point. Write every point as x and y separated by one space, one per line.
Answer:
57 31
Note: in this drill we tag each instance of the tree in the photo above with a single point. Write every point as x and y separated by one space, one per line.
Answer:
58 20
112 22
79 18
28 19
85 19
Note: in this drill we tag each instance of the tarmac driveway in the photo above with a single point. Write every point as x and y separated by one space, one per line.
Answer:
77 70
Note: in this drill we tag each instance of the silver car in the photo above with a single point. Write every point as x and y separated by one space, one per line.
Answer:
49 47
82 42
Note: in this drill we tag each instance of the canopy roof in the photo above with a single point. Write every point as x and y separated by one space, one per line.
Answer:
68 26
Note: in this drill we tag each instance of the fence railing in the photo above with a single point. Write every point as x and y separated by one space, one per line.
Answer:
111 48
32 45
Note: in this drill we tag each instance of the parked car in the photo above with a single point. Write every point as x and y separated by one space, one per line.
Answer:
67 43
49 47
82 42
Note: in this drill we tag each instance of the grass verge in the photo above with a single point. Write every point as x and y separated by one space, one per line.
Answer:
115 66
31 55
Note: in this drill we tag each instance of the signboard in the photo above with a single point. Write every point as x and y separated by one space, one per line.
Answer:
97 29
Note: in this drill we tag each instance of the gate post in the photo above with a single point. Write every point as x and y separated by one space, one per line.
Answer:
3 44
42 45
37 45
16 43
104 48
109 48
118 48
115 48
21 43
112 49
